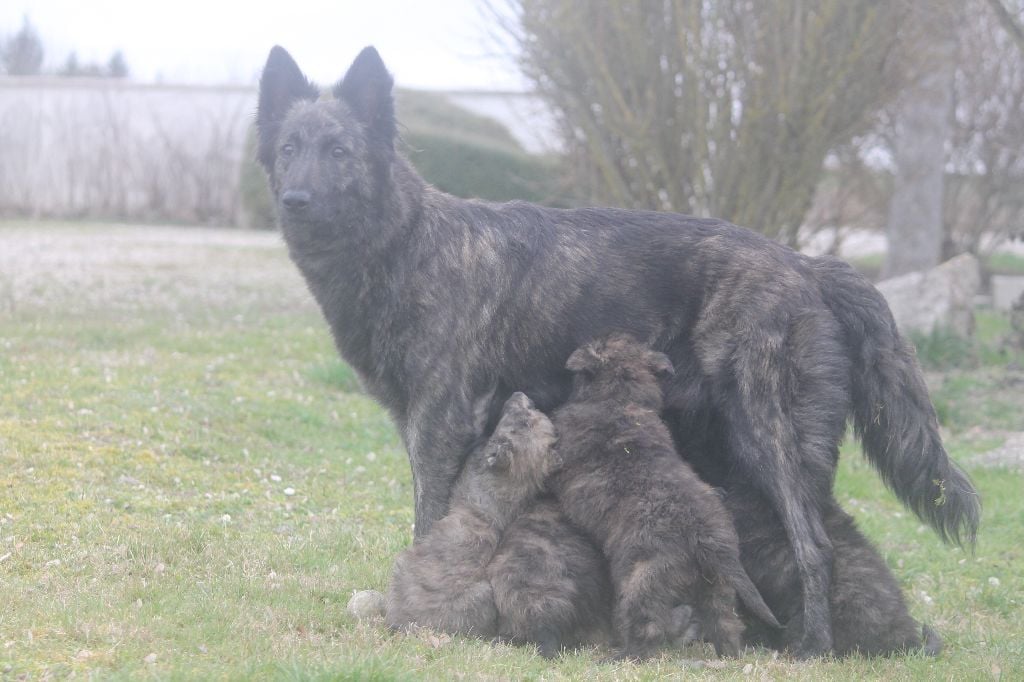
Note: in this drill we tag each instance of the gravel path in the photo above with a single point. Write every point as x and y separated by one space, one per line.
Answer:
1009 455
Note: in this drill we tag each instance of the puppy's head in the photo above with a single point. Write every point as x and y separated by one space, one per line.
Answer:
520 447
619 367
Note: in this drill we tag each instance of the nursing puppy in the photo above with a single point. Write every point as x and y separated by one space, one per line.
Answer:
550 583
666 534
504 562
441 581
869 614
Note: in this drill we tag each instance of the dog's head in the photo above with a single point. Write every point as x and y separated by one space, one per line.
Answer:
519 450
328 157
621 368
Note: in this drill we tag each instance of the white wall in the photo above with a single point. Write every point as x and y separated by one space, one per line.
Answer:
108 148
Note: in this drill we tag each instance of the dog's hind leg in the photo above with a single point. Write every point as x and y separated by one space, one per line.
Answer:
783 417
797 508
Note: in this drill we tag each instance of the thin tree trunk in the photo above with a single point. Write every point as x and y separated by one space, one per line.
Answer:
924 126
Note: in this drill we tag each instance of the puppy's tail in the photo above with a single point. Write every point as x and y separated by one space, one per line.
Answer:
892 413
745 589
932 641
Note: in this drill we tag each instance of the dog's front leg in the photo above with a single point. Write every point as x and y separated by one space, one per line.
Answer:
438 436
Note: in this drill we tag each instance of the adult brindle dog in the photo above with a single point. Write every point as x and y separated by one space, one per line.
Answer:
437 301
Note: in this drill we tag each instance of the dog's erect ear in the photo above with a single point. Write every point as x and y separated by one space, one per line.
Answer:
366 88
583 359
660 365
281 85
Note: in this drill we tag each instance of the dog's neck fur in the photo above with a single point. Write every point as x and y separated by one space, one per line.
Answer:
354 276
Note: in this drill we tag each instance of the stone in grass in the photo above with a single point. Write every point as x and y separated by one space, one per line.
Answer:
940 298
366 604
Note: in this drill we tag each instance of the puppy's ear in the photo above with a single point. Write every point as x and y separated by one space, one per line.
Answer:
281 85
660 365
583 359
366 88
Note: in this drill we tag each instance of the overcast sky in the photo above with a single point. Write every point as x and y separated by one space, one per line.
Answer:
436 44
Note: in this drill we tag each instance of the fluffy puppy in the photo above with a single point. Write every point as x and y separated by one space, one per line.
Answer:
668 539
441 581
869 614
505 562
550 582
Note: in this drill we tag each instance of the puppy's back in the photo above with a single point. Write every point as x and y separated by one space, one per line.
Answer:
440 581
550 583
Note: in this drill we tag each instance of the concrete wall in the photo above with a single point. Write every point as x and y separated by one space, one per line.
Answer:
108 148
104 148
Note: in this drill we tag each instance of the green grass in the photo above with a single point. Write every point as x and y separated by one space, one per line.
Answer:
1000 263
1005 263
193 491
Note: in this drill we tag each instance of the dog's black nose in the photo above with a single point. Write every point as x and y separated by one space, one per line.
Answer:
295 199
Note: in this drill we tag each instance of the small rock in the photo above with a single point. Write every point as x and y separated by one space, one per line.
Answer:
993 581
289 491
151 658
436 641
748 668
366 604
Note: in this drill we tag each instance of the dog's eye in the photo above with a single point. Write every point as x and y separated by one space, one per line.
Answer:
338 152
287 149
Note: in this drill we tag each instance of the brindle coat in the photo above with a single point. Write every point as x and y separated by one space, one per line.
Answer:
869 614
504 561
668 539
435 301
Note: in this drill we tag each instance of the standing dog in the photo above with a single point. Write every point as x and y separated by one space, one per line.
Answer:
668 538
435 301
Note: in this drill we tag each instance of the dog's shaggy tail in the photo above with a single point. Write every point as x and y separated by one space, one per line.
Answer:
892 413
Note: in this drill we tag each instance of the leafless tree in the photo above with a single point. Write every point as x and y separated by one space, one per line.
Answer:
923 127
22 53
985 193
1008 16
724 107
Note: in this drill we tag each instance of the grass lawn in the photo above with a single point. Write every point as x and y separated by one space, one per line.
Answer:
192 486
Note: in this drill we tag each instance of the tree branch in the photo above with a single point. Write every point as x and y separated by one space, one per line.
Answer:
1008 22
